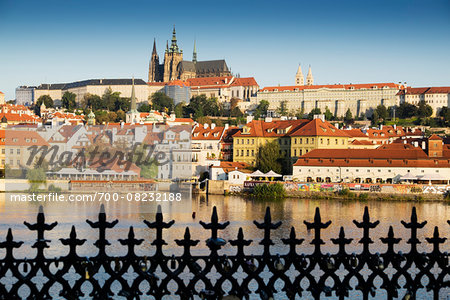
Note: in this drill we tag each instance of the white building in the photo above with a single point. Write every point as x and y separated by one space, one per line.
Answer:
370 165
361 99
436 97
25 95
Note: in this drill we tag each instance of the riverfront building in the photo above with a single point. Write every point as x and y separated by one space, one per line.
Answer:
295 137
389 163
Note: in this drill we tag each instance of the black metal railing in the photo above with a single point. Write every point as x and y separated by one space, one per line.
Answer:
214 276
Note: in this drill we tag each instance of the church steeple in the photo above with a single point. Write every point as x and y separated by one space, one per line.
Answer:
194 54
154 47
133 115
309 77
299 79
174 47
133 97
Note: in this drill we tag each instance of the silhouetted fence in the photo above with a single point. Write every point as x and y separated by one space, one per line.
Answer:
217 276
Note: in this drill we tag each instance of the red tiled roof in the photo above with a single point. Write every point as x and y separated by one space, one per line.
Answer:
355 133
222 81
24 138
371 158
317 127
24 118
331 86
361 143
202 133
229 166
414 153
260 128
425 90
435 138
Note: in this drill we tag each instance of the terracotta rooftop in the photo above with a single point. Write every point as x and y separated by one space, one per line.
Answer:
332 86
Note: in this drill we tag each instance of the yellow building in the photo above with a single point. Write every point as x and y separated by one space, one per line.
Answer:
317 134
295 137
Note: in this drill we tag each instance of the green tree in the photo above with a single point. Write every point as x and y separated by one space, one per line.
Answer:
46 99
269 157
93 102
121 116
282 109
300 113
123 103
161 101
315 111
424 110
382 112
328 114
110 99
200 106
180 109
445 116
36 177
406 110
68 100
348 118
261 109
236 112
375 118
144 107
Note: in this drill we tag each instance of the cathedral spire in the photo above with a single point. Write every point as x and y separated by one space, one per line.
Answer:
154 47
133 97
194 55
309 77
299 79
174 47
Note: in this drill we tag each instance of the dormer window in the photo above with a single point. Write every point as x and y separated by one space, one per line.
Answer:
206 134
216 134
195 134
270 130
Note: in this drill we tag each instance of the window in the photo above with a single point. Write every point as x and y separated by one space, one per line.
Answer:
11 151
18 162
237 141
253 141
248 152
248 141
336 141
242 152
253 152
3 151
295 152
18 151
237 153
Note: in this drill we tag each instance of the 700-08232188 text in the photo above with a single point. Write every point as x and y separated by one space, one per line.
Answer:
97 196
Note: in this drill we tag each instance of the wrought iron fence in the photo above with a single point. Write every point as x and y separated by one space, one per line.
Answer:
152 274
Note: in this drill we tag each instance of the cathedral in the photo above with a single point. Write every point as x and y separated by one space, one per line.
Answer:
174 67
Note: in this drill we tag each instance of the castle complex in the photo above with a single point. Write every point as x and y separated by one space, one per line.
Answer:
174 67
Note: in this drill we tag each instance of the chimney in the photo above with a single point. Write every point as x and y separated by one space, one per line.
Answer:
336 125
424 145
213 125
227 126
205 125
122 124
249 119
416 144
268 119
395 126
381 126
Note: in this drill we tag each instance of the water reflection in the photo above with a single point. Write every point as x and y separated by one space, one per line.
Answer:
241 213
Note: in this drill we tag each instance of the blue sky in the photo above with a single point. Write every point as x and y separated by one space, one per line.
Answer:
343 41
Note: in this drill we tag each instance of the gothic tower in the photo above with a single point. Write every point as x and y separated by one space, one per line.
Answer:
172 57
299 79
153 70
133 116
309 77
194 54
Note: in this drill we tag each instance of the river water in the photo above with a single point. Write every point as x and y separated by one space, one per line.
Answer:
239 211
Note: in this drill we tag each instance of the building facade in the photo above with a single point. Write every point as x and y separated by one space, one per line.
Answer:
436 97
371 165
25 95
361 99
94 87
174 67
